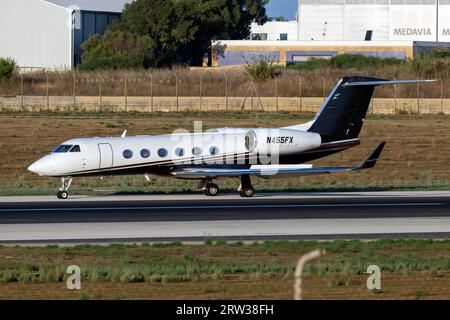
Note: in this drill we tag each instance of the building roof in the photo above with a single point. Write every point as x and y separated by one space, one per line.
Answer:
89 5
313 43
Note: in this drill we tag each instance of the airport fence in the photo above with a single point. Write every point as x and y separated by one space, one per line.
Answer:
202 90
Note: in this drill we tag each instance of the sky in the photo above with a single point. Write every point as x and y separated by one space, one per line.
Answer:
285 8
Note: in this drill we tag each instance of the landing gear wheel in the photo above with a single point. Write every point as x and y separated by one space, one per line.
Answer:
246 189
211 190
65 185
247 193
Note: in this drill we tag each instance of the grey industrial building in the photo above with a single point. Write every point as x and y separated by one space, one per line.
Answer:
49 33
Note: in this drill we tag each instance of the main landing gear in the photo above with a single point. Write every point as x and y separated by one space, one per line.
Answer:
210 189
245 189
65 185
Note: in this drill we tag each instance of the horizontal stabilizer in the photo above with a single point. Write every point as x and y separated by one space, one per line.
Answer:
384 82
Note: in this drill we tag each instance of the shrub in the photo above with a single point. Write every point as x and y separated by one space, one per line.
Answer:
261 69
432 63
7 67
130 276
347 61
208 241
359 61
116 50
9 276
133 60
155 278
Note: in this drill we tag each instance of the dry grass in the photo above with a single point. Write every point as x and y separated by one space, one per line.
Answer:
209 82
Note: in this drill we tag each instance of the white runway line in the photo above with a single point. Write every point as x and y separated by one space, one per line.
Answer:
242 228
261 195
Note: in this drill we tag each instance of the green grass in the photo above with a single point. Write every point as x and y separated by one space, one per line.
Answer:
343 262
22 189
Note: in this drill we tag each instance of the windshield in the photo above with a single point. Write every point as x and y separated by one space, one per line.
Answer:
62 149
76 149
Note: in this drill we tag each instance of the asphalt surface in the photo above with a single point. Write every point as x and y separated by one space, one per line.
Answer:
193 217
204 209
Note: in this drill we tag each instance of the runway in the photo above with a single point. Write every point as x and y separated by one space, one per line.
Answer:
194 217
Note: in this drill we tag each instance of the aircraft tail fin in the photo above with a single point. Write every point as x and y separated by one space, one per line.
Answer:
343 113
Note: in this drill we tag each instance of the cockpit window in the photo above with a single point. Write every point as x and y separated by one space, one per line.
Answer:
75 149
62 148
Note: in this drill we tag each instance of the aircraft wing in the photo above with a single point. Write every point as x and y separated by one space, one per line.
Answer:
273 171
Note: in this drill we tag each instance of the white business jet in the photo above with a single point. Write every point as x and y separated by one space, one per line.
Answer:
226 152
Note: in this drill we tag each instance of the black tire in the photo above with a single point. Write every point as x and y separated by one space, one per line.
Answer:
59 195
211 190
64 195
247 193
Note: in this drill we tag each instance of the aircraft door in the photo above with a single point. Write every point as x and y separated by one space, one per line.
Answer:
106 155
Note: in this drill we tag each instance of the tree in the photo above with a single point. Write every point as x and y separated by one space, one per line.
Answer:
7 67
164 32
117 49
216 20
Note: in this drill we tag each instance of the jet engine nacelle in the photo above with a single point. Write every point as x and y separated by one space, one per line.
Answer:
280 141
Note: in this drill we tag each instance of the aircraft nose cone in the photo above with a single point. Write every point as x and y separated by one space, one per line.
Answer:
36 167
40 167
33 168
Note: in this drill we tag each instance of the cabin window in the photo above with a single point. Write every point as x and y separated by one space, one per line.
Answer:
197 151
145 153
179 152
214 151
128 154
75 149
62 148
162 153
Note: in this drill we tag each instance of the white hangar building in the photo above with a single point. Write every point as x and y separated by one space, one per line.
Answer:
49 33
398 29
378 20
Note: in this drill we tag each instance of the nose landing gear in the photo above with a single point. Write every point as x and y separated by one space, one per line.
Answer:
62 195
65 185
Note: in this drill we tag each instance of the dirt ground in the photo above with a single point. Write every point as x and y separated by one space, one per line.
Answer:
417 153
393 288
